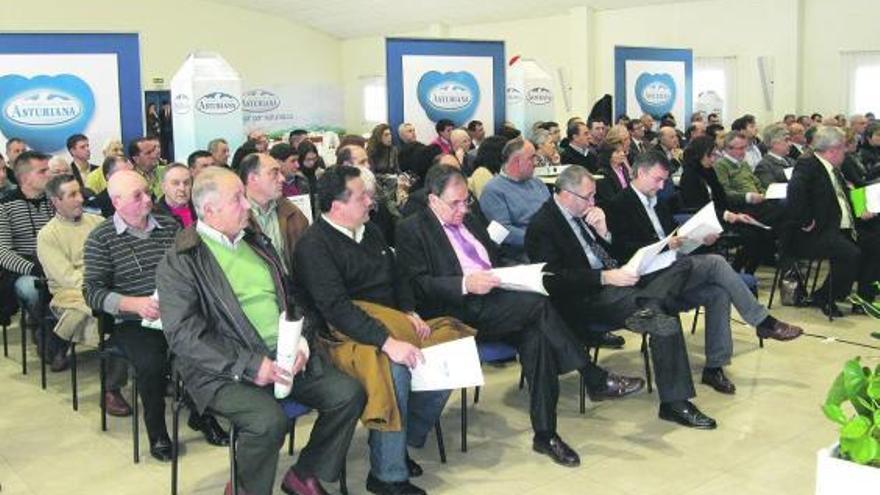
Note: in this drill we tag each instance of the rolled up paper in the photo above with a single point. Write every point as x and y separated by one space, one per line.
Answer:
288 345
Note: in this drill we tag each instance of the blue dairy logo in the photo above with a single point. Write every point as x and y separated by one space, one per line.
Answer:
655 93
450 95
217 103
259 101
45 110
539 95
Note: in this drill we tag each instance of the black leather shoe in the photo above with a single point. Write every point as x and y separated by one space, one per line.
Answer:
607 340
59 363
828 308
617 386
161 449
557 450
715 378
413 467
210 428
375 485
686 414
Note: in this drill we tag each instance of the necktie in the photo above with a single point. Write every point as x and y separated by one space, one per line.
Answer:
469 250
608 262
842 199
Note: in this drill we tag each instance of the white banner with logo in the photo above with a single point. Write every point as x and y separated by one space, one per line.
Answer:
655 81
284 107
45 98
529 94
206 104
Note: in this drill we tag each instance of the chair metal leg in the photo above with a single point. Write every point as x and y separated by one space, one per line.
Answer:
816 276
476 394
23 343
831 303
438 431
696 317
522 379
233 476
583 394
73 385
44 348
134 416
102 376
291 437
596 355
647 355
343 483
464 420
776 275
5 343
175 439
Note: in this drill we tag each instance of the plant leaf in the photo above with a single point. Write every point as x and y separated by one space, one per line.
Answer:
834 413
865 450
877 417
873 389
853 378
836 394
855 428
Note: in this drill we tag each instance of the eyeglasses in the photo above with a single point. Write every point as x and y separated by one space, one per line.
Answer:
460 204
588 199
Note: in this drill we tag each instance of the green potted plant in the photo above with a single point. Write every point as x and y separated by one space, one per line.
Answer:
853 402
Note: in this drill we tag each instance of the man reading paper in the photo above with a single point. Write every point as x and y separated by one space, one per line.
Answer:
636 218
445 257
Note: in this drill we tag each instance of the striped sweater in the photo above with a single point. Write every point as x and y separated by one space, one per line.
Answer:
118 265
20 221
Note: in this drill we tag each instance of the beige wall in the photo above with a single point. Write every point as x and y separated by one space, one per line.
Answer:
264 49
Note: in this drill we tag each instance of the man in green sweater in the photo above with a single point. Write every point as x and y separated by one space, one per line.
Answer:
222 291
743 188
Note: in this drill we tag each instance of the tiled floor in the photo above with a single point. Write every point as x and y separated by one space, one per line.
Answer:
766 441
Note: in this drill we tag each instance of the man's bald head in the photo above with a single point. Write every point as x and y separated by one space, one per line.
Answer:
123 182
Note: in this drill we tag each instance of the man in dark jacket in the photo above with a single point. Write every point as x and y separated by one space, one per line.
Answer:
222 292
577 151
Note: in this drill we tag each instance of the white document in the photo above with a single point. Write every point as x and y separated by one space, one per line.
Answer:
788 171
154 324
304 204
522 278
703 223
288 345
447 366
759 224
776 190
497 232
650 259
872 198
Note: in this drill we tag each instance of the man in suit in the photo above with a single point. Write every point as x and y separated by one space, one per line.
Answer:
823 219
772 166
797 140
577 150
637 219
742 187
445 258
668 144
570 235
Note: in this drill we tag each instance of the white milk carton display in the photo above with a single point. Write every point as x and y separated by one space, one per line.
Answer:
530 93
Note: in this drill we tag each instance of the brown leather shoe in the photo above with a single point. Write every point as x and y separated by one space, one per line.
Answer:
294 485
616 386
780 331
116 404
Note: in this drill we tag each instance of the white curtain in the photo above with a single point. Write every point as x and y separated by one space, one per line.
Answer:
861 81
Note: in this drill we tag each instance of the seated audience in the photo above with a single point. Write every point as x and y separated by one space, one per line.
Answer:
296 137
357 293
443 141
513 196
6 185
870 151
487 162
823 222
772 166
14 147
445 255
199 160
382 153
58 165
614 167
121 255
78 147
176 194
578 149
219 150
749 128
853 169
669 146
60 246
227 360
288 161
636 218
546 153
270 213
144 154
742 187
95 181
461 145
797 141
101 203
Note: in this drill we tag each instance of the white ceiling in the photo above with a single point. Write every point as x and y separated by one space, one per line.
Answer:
355 18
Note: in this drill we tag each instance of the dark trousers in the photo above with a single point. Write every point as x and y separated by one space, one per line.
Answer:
546 346
147 350
841 249
659 290
262 425
869 268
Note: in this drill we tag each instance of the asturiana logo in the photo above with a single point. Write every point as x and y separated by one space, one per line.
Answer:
539 96
514 95
217 103
42 107
259 101
450 96
181 104
657 93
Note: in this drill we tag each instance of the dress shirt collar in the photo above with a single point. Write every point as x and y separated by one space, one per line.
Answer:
122 227
776 157
646 201
357 235
210 232
583 151
732 159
